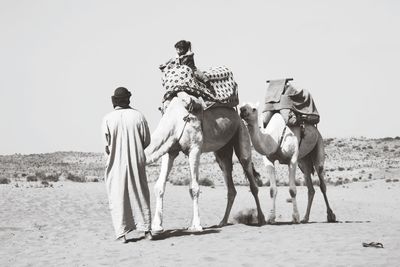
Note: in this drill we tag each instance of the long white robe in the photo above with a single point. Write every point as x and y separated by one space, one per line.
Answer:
126 135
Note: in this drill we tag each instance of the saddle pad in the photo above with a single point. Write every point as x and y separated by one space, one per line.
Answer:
179 78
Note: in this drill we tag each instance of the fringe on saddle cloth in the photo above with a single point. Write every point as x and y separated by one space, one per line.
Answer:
178 78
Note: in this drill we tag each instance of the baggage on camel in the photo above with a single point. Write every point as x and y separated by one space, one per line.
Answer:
180 78
296 106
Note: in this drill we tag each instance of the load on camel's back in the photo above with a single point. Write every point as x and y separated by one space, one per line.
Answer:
180 78
297 107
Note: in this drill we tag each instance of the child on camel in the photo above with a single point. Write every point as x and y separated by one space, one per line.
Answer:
185 56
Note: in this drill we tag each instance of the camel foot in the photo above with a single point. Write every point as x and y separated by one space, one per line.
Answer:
331 216
271 219
261 220
305 220
296 218
223 223
157 229
195 228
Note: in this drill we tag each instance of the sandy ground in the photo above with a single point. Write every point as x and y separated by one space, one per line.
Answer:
70 225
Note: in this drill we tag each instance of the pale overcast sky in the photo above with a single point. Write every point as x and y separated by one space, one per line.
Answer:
60 61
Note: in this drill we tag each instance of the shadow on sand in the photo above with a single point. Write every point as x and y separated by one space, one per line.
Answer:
292 223
184 232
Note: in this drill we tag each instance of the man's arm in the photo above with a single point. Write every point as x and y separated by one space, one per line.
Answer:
145 133
106 137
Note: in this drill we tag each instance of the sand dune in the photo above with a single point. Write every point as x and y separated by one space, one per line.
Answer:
69 225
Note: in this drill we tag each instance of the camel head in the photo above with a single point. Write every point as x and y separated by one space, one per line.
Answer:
249 113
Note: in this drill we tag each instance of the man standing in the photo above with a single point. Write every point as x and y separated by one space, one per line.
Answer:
126 135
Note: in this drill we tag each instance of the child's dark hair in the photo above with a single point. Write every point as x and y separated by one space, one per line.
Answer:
184 45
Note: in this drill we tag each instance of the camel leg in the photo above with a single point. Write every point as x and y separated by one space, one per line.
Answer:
273 190
319 167
159 189
292 187
306 167
243 151
224 159
194 190
331 216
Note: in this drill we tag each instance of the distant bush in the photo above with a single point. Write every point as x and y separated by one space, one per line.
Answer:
206 182
31 178
75 178
184 181
341 168
4 181
42 176
51 178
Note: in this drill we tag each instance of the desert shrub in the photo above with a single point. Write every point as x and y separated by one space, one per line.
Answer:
46 184
183 181
4 180
346 181
206 182
75 178
51 178
395 180
355 179
338 182
385 149
40 175
341 168
23 174
31 178
388 180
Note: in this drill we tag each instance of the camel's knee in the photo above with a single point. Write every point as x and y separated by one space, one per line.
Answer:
231 193
194 190
273 192
322 186
253 188
311 191
159 190
293 192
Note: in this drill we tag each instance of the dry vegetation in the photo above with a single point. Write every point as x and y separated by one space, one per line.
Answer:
348 160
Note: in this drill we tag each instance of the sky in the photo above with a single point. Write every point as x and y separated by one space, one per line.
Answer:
60 61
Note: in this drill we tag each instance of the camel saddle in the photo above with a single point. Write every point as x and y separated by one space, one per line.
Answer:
177 78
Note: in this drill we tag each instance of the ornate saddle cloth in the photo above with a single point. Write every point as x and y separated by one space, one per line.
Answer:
177 78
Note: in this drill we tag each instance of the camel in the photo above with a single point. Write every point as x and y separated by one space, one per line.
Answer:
279 142
219 130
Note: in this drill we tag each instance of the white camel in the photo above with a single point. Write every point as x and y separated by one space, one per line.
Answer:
279 142
219 130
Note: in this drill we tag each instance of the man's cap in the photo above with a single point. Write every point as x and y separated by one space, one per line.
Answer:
121 92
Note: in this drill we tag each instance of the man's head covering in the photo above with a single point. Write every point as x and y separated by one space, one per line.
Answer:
121 97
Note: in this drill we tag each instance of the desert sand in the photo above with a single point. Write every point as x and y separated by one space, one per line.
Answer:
70 225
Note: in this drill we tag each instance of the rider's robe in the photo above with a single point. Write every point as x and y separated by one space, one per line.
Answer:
126 134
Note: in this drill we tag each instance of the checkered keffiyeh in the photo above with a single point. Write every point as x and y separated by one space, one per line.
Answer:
178 78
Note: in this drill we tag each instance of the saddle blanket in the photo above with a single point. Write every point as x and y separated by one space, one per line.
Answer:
298 100
179 78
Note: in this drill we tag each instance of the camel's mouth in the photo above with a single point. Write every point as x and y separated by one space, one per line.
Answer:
243 113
